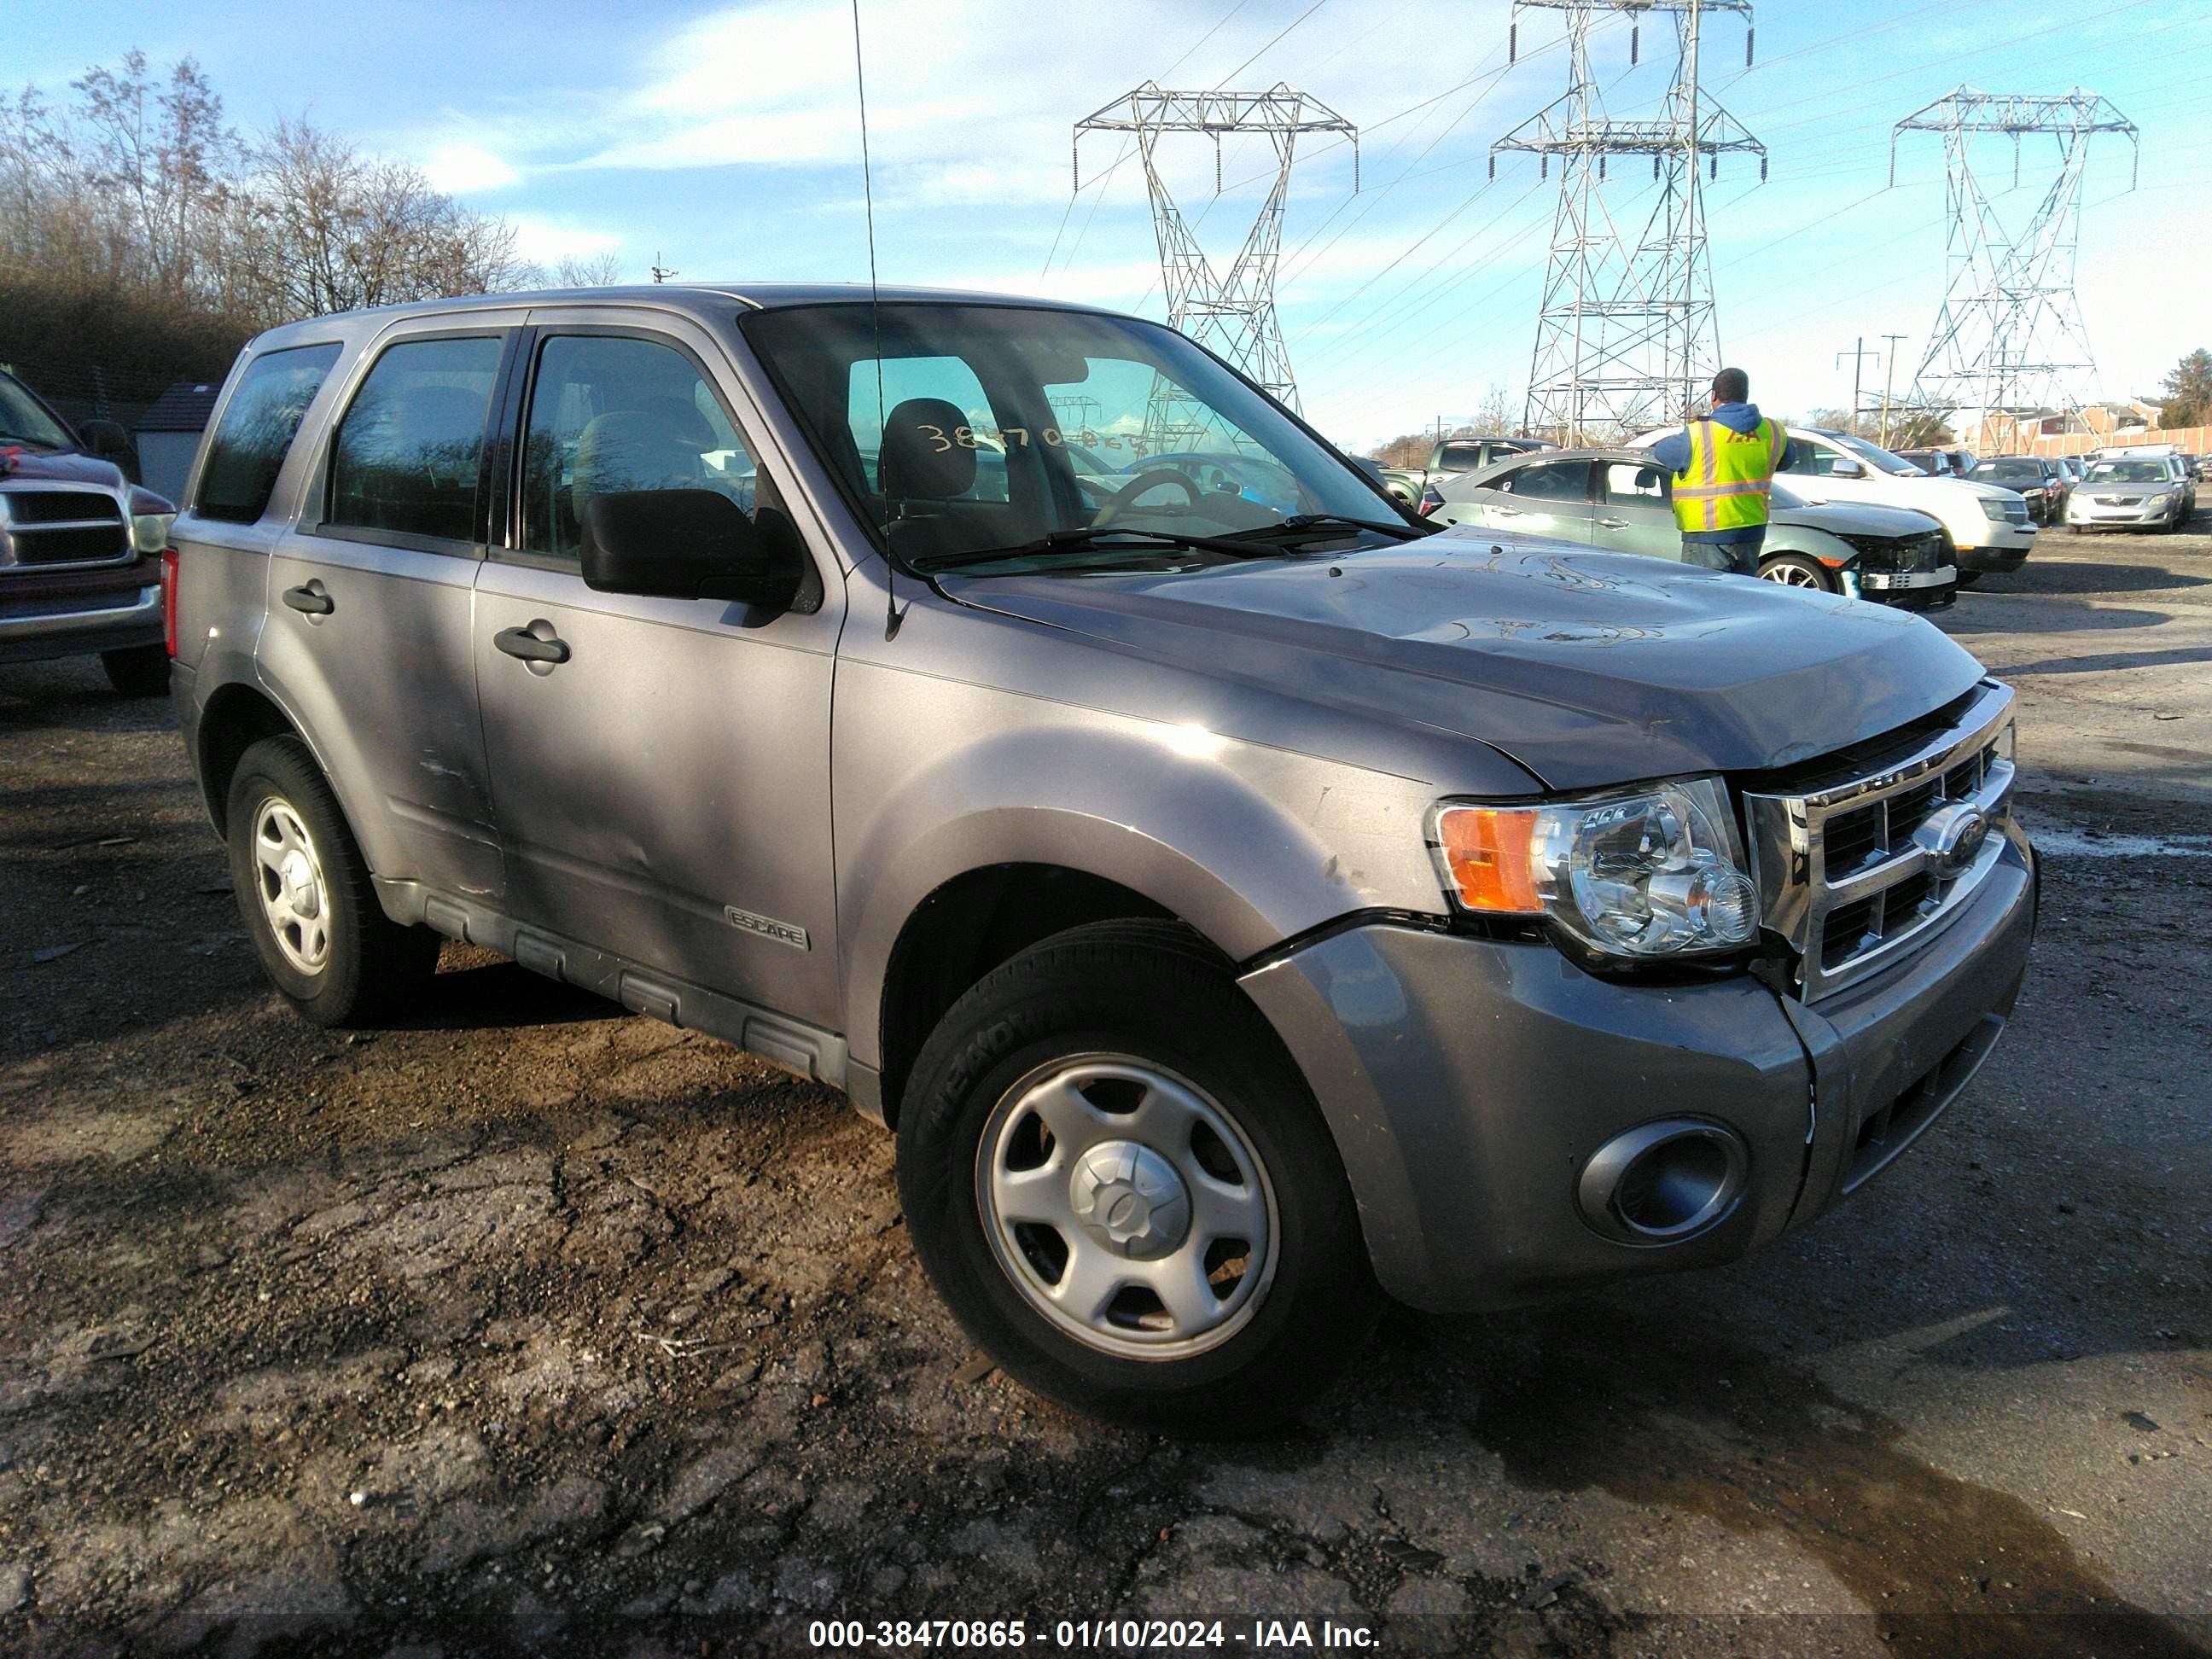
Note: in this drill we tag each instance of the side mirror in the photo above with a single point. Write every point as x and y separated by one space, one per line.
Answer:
685 545
105 439
1847 469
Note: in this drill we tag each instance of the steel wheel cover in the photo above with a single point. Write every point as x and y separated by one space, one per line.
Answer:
288 879
1126 1208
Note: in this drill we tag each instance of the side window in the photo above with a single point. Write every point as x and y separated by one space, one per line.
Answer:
611 414
1558 481
257 431
1629 483
1809 457
929 407
408 450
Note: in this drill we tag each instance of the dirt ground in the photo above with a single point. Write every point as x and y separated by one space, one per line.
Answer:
538 1327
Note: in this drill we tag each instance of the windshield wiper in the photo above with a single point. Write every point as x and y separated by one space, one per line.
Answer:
1298 522
1086 539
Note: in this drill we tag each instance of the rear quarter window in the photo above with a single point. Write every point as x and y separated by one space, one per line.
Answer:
257 429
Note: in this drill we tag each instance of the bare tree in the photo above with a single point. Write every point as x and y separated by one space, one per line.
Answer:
163 155
597 271
318 228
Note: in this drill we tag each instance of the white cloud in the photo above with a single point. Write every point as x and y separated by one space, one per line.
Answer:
459 169
545 242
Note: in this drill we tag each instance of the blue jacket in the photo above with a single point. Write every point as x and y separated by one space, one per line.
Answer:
1672 453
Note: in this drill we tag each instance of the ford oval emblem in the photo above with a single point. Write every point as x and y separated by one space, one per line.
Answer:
1951 837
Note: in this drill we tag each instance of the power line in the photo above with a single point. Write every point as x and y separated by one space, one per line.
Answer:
1188 53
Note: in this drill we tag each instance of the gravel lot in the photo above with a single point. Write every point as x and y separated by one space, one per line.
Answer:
538 1326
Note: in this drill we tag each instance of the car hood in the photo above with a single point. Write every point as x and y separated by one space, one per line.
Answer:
1859 519
65 465
1587 668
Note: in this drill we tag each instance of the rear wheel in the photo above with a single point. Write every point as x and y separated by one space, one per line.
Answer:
304 892
1798 570
138 670
1120 1185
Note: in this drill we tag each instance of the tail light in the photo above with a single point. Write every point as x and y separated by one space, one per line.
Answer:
1430 501
169 599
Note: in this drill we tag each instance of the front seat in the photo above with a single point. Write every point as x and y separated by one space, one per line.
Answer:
921 482
655 446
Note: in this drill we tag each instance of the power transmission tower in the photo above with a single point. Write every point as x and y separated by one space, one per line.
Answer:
1628 336
1233 312
2010 338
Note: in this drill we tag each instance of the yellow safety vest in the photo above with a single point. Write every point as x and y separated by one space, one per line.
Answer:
1730 476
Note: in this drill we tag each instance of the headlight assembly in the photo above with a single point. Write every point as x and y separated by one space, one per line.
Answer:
149 532
1656 873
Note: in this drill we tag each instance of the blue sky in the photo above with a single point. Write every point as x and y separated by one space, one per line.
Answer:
722 140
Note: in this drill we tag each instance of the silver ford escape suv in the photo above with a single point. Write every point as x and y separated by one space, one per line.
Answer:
1244 901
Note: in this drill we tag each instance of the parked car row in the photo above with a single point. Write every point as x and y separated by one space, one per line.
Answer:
1451 459
1617 500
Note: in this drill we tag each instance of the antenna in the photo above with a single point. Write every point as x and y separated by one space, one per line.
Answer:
876 316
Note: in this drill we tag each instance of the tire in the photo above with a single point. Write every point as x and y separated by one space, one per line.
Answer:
293 863
1133 1033
138 670
1797 570
1968 578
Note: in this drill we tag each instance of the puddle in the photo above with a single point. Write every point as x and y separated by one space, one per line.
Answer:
1949 1566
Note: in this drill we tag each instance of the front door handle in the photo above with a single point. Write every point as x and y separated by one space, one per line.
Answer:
311 600
532 647
1614 524
1507 512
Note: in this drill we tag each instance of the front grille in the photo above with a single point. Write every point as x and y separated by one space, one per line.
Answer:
1900 554
62 527
1848 852
87 543
59 506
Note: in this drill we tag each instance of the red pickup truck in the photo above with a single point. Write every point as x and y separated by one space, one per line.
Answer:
81 546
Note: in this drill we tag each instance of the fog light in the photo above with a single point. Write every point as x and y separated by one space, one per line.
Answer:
1663 1182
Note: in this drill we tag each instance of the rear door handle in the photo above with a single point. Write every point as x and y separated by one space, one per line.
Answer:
311 600
1614 524
521 642
1507 512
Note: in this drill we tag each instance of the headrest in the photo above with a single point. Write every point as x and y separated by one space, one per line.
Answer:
912 466
655 447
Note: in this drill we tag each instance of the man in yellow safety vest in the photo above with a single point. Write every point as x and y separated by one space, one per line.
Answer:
1723 468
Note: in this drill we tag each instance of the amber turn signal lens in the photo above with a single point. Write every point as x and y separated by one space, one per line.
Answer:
1486 849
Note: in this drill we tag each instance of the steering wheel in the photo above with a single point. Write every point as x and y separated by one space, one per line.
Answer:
1126 497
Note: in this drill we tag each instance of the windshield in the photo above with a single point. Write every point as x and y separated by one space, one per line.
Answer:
24 420
2025 470
2127 472
1878 457
997 427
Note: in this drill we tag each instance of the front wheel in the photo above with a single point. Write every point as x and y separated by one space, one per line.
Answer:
1120 1184
304 890
1797 570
